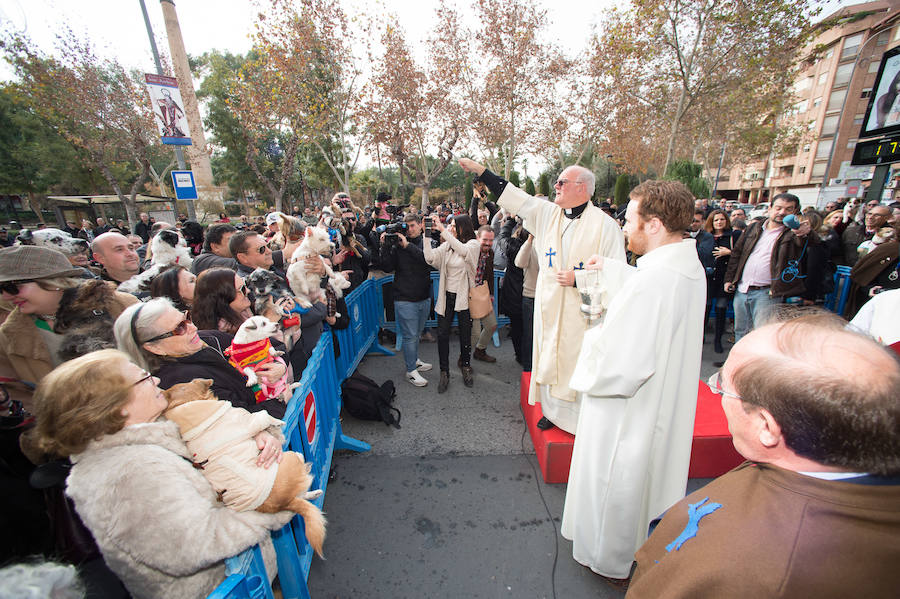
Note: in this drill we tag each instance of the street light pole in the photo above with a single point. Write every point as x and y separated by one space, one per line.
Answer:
179 155
609 185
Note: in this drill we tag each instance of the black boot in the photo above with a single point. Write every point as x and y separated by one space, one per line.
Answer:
720 330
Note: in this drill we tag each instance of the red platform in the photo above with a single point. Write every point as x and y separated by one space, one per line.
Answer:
712 453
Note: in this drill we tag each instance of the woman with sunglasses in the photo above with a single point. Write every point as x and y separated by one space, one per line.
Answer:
155 517
164 341
53 315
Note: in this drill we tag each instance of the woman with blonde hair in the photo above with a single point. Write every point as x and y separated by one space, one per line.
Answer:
155 518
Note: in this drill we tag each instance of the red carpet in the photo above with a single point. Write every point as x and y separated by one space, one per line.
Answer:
712 453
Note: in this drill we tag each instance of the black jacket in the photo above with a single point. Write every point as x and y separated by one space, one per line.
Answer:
412 275
207 260
210 363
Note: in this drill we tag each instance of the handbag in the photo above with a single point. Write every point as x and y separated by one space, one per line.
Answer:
480 300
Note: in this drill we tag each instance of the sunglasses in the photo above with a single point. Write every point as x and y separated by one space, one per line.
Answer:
11 287
180 329
262 249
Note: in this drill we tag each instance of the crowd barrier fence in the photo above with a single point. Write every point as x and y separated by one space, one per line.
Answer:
391 325
313 429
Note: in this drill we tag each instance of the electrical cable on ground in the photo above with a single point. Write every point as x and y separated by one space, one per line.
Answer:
537 481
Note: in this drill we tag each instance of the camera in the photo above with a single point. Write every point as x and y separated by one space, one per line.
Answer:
391 231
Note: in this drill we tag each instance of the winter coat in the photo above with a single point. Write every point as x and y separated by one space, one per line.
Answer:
788 248
156 519
412 275
229 384
85 319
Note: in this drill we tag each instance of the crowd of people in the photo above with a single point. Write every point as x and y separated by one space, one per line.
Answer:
84 364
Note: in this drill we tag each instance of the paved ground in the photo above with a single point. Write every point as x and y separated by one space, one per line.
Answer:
452 504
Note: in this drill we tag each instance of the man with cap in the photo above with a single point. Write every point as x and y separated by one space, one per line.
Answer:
566 234
47 294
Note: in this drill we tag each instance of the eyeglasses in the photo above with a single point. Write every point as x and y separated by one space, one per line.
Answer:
144 376
562 182
715 385
262 249
180 329
11 287
243 289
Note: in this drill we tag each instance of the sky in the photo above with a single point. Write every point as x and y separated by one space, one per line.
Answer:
117 26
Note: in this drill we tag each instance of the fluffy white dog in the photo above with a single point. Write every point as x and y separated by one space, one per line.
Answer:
167 247
306 285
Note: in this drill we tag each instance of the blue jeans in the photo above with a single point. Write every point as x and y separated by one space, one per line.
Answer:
411 317
751 310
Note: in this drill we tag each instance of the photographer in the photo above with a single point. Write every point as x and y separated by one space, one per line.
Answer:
402 254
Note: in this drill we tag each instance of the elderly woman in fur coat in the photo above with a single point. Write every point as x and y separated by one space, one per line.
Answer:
155 517
55 315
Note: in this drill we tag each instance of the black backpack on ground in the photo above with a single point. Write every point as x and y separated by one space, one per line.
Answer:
363 398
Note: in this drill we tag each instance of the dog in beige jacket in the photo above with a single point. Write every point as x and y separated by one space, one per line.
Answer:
221 441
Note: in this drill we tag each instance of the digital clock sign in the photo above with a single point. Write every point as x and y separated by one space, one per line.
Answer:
882 151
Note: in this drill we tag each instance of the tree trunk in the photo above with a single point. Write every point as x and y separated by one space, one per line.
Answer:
673 132
425 189
36 207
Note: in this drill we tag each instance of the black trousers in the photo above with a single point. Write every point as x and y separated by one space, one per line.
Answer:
527 332
465 333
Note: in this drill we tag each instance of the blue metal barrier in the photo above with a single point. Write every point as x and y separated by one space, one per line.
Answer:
313 428
836 301
432 318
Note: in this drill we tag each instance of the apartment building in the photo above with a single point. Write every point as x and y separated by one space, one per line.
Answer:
831 94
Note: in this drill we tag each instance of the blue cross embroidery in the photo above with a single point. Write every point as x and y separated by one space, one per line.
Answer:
696 512
580 266
550 255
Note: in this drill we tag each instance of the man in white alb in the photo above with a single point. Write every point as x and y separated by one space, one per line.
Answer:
566 233
639 371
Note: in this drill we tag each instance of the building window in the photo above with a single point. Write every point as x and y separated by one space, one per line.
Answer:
866 92
836 100
806 147
842 75
858 119
823 150
830 125
851 143
818 169
786 171
883 38
851 46
801 170
817 102
873 66
828 53
822 78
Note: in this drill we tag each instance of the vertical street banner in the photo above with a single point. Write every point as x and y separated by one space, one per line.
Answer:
168 109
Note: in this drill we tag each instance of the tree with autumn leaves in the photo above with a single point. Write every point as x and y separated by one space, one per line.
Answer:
92 103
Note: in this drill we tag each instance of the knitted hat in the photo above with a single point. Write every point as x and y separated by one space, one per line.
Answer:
31 262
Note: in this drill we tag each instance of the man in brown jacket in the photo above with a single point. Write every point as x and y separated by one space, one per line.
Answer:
815 512
766 264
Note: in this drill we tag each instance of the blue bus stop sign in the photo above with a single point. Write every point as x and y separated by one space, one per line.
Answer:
185 188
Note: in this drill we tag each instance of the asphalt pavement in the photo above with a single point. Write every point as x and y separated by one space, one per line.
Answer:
452 504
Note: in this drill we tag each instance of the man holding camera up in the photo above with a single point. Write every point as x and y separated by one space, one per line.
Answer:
403 255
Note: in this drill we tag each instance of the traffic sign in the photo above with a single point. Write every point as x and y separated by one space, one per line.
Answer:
185 188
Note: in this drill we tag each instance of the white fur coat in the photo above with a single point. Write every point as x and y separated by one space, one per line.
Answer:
155 517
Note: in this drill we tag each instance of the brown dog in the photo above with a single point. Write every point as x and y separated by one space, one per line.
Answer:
231 467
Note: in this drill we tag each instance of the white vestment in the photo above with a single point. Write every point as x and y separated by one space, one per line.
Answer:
561 244
639 371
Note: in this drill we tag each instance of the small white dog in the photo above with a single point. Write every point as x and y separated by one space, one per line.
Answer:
167 247
307 285
251 349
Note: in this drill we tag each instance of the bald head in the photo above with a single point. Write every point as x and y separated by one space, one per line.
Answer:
831 393
114 252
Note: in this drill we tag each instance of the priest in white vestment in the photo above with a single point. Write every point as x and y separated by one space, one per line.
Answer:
567 232
639 371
